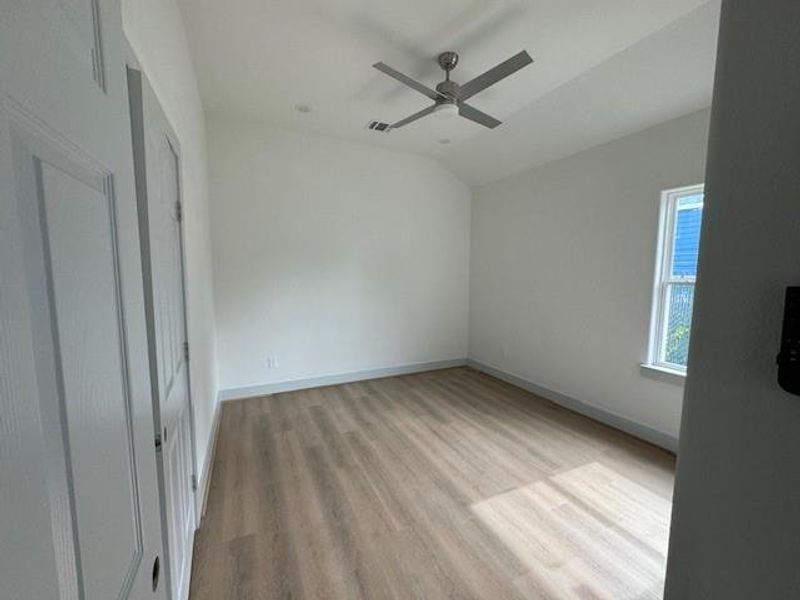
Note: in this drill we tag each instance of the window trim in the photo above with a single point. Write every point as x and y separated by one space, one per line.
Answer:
663 278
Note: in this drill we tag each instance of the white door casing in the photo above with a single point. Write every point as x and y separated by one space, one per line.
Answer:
158 188
79 511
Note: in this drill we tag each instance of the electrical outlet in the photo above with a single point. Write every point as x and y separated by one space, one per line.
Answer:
272 362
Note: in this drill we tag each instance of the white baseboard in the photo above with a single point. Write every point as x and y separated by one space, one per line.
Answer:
208 464
313 382
658 438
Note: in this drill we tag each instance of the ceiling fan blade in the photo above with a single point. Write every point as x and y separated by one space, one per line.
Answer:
495 74
473 114
414 117
422 89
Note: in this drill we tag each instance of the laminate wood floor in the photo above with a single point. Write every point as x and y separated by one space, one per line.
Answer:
449 484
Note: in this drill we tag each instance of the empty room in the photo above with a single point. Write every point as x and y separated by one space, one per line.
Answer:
338 299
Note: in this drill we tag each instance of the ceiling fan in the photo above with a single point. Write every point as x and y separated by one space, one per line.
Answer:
450 97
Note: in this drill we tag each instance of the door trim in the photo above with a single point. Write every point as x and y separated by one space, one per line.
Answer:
172 138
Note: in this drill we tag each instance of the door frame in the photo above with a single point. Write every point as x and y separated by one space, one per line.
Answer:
136 78
172 139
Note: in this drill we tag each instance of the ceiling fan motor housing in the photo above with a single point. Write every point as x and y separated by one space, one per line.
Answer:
449 89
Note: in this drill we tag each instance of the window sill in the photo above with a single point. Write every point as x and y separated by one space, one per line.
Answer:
664 374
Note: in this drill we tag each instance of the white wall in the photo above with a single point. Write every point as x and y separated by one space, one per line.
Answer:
155 30
736 516
333 256
562 270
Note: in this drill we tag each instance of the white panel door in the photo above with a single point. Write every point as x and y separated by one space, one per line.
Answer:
158 187
79 514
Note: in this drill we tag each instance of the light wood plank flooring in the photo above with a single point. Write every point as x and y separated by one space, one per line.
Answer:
448 484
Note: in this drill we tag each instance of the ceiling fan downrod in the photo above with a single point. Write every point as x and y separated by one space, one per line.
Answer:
448 61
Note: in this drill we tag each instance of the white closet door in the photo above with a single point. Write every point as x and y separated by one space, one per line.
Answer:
159 192
78 490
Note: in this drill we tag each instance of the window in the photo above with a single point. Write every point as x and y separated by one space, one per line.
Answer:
676 271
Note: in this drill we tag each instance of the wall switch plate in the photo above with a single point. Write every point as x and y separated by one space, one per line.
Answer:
272 362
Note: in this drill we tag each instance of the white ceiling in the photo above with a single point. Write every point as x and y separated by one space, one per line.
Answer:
603 68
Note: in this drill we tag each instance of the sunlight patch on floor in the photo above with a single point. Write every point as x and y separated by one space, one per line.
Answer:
588 532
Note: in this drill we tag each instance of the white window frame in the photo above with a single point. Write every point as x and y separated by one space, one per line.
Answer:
664 279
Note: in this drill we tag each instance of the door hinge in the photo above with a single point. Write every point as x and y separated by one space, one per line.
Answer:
186 350
158 441
194 482
179 211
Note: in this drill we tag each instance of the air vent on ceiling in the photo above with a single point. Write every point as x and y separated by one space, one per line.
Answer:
379 126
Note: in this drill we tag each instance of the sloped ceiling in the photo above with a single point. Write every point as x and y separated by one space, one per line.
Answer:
603 68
